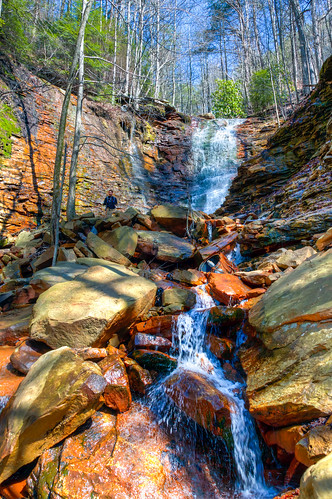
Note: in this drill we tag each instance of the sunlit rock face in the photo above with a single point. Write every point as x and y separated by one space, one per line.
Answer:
143 156
123 456
289 373
291 178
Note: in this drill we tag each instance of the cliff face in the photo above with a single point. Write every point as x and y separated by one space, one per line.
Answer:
292 176
141 155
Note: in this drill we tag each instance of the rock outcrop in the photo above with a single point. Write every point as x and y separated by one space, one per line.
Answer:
91 309
289 375
60 392
290 180
142 154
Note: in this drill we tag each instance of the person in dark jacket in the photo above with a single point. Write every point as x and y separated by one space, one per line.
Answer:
110 202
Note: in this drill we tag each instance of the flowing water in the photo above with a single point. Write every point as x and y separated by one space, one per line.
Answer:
214 147
193 356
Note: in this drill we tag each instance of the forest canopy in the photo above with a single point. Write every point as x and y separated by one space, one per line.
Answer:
176 50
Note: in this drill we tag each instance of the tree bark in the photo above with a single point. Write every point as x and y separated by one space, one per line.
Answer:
56 205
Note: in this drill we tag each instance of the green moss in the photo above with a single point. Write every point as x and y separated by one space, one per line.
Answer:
8 127
149 133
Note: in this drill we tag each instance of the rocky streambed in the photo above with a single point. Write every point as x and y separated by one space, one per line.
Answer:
124 367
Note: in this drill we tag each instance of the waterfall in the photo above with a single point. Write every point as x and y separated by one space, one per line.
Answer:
214 148
193 355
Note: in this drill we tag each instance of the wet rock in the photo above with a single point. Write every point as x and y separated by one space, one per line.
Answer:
26 354
125 456
117 394
60 392
163 246
317 480
315 445
105 251
139 378
150 342
225 316
14 325
229 289
123 239
173 218
61 272
293 259
199 400
160 325
218 245
9 378
91 309
190 276
185 298
286 438
325 240
222 348
154 361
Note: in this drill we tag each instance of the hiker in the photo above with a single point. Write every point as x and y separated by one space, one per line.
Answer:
110 202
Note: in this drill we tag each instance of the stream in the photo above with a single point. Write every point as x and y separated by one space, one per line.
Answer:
215 165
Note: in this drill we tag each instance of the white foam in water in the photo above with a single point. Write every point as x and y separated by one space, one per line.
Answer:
189 335
214 147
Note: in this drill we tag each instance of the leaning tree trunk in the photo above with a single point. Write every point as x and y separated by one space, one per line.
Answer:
56 205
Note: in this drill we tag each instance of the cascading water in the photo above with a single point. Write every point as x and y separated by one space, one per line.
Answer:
214 147
193 356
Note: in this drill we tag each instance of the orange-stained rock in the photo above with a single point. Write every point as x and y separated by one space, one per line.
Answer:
222 348
200 400
128 456
160 325
315 445
139 379
14 325
117 393
15 490
229 289
286 438
325 240
9 378
149 341
26 354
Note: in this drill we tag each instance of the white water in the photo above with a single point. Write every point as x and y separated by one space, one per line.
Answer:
214 147
193 355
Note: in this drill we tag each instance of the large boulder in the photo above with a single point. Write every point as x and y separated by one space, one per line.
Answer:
123 239
174 218
104 250
61 272
164 246
316 482
128 456
195 395
60 392
91 309
288 375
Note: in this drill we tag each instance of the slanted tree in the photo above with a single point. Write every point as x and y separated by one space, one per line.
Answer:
86 8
